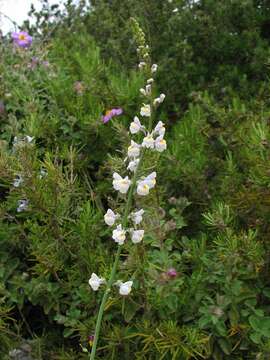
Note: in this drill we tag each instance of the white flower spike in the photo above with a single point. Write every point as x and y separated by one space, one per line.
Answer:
110 217
125 288
119 235
121 184
145 110
95 281
137 236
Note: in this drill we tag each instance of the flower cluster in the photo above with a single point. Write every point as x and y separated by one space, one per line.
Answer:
128 225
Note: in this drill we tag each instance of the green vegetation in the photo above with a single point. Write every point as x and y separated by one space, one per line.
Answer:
208 217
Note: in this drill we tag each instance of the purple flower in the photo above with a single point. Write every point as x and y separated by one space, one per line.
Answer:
91 339
171 273
110 114
22 39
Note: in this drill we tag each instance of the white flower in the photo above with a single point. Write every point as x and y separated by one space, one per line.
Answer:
143 92
134 149
121 184
18 181
154 68
175 10
119 235
145 110
137 216
142 64
148 142
135 126
95 281
150 180
22 205
160 144
42 174
159 100
29 138
137 236
150 81
159 129
125 288
142 188
132 166
110 217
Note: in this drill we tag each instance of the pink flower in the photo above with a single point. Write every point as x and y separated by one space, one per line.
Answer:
171 273
110 114
22 39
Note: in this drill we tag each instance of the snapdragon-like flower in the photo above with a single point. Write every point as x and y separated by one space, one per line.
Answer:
125 288
146 91
22 39
119 235
132 166
137 236
110 217
111 113
160 144
22 205
142 188
154 68
95 281
18 181
135 126
121 184
144 185
148 142
134 150
159 129
141 65
136 216
159 99
150 81
145 110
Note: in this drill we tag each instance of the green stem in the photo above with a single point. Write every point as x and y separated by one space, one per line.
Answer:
117 257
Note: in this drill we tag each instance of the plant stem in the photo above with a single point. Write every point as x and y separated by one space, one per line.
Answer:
117 257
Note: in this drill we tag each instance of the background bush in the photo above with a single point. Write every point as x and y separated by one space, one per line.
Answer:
209 215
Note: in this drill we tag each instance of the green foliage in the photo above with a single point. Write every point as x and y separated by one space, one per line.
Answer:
208 217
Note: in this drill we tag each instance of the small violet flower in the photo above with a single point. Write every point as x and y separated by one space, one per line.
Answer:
171 273
22 39
110 114
121 184
95 281
119 235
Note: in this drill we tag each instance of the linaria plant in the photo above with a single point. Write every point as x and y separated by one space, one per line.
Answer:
133 183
